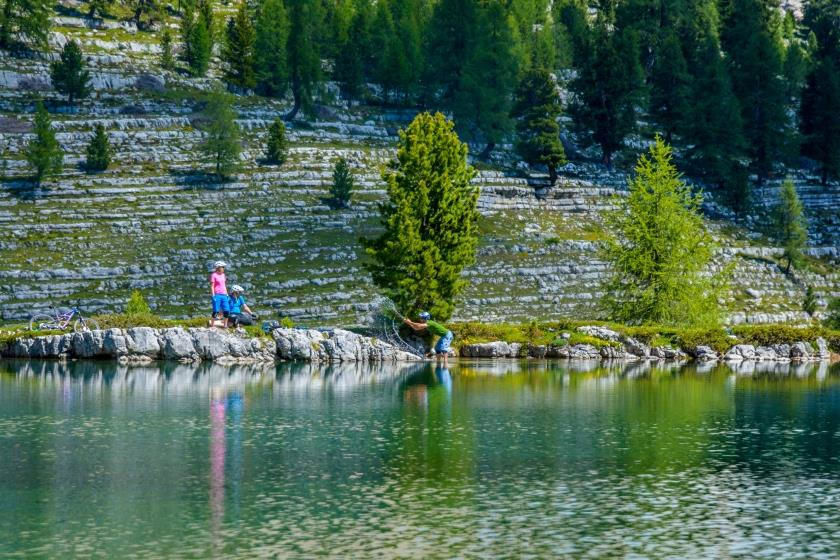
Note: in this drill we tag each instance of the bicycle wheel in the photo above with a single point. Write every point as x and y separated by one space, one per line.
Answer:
85 325
42 322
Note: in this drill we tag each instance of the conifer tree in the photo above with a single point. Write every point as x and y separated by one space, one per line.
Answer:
341 189
659 250
608 87
430 219
167 59
302 56
26 20
150 9
197 31
405 48
98 7
238 53
809 302
272 34
69 74
751 40
791 229
448 43
277 148
483 98
221 145
98 151
670 97
43 152
350 61
536 110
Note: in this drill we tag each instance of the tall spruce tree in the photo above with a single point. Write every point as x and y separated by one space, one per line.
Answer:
145 12
448 44
98 151
25 20
350 61
43 152
302 57
221 145
659 250
272 34
430 219
670 96
791 229
482 102
609 86
820 108
197 34
536 111
238 52
752 41
69 74
343 183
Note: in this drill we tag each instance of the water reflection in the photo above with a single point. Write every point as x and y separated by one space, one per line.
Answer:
507 458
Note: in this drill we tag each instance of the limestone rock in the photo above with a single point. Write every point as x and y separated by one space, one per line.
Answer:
801 351
178 345
705 354
143 341
740 352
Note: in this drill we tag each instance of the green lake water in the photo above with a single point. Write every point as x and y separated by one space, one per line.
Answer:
503 459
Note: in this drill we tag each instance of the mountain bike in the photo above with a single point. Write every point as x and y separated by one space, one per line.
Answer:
62 320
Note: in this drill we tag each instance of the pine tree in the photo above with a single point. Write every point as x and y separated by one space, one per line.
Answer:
277 148
608 88
536 110
405 58
238 54
43 152
659 250
448 43
167 59
714 130
221 144
809 302
483 99
832 314
69 74
98 7
430 219
302 57
150 9
350 62
751 39
388 53
342 185
27 20
670 97
272 34
198 37
98 151
791 229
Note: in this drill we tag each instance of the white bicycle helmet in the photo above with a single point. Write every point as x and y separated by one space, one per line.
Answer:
238 289
217 264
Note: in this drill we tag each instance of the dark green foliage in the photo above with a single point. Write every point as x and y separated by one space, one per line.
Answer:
670 97
448 44
342 186
272 34
430 220
791 229
303 59
536 110
276 149
29 20
98 151
352 54
98 7
145 12
751 39
659 251
609 87
238 52
809 302
482 103
197 34
69 73
167 60
832 314
43 152
221 145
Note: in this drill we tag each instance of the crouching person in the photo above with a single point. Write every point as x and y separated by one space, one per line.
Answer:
240 313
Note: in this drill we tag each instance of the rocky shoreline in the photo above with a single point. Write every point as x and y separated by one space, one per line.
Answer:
146 344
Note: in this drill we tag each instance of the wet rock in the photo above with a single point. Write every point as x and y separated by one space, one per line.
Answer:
337 345
142 341
705 354
497 349
801 351
766 354
90 344
178 345
823 352
740 352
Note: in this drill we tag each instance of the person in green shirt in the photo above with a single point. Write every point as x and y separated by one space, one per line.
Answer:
426 324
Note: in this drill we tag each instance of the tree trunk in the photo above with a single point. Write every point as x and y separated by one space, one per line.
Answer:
485 153
290 116
552 174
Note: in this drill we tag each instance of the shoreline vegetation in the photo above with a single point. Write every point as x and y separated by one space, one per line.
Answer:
598 338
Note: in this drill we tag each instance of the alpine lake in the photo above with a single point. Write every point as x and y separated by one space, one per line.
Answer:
481 459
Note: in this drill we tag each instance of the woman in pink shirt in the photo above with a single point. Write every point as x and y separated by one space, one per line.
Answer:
219 294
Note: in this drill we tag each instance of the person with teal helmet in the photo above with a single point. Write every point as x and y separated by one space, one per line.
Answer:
443 345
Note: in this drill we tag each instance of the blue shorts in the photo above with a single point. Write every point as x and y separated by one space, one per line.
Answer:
442 346
221 304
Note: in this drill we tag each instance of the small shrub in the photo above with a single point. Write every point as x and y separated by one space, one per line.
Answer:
809 302
343 183
832 314
276 149
137 304
717 339
98 151
287 323
767 335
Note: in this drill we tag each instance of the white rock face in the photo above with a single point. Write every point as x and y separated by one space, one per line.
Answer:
337 345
